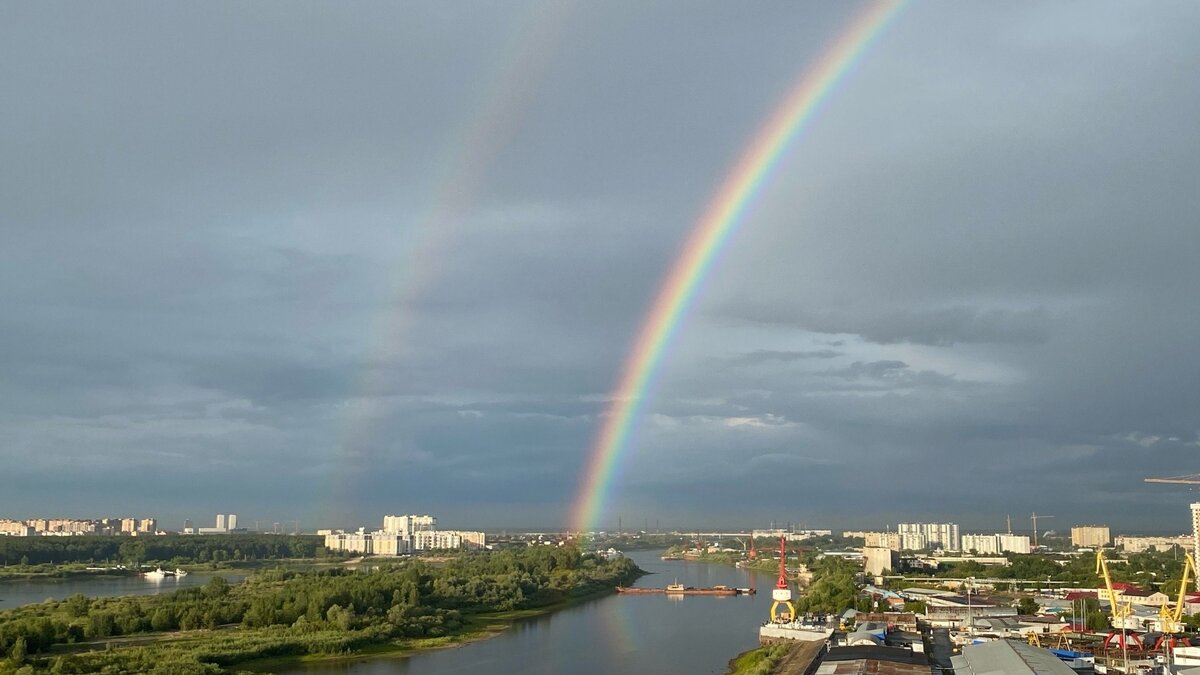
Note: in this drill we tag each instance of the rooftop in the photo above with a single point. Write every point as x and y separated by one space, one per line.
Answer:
1007 658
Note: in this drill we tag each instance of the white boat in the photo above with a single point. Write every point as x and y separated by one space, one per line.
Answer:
155 574
180 573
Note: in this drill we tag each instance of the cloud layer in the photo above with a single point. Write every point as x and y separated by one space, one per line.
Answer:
327 264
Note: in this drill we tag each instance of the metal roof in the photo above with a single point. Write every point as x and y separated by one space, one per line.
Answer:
1005 657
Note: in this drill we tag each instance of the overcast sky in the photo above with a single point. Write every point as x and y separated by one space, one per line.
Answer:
323 262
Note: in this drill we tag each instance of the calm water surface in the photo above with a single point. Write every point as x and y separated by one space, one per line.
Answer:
15 593
614 634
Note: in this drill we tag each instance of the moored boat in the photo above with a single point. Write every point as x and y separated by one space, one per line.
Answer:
679 589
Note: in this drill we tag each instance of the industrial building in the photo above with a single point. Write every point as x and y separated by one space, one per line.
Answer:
877 660
1008 657
878 559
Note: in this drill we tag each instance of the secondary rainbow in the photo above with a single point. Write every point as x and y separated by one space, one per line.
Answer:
717 223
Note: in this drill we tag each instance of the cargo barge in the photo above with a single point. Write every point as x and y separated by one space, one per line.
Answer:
680 589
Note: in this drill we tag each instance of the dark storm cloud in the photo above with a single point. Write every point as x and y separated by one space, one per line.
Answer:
945 326
777 356
325 262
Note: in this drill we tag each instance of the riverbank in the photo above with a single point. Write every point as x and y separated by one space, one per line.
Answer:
70 571
64 574
476 628
292 616
758 661
781 658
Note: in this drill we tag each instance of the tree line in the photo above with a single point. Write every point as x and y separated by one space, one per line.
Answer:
174 549
282 612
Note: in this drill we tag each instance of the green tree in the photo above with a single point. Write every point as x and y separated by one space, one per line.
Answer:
133 551
19 649
1097 620
1027 606
162 620
217 587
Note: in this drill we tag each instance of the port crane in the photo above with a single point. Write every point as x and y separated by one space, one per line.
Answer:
1172 621
781 595
1121 613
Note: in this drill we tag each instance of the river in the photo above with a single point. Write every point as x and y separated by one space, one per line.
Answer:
613 634
17 592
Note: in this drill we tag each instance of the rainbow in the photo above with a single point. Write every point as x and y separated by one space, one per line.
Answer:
709 235
458 177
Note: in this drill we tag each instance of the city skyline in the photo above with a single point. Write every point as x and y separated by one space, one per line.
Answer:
294 264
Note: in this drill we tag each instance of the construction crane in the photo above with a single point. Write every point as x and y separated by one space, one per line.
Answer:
1186 479
1121 613
1035 517
1172 621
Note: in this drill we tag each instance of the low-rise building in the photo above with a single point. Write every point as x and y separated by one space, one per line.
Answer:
1143 544
1138 596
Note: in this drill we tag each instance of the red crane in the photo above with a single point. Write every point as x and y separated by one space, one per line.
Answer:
782 583
782 595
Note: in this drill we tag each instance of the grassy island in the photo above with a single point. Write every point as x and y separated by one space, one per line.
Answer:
283 615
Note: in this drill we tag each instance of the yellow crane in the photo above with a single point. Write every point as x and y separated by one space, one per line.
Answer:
1172 621
1121 613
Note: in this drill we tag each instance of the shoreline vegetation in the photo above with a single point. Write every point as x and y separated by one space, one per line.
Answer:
759 660
282 617
481 627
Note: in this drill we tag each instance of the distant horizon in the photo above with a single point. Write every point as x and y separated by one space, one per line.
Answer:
248 524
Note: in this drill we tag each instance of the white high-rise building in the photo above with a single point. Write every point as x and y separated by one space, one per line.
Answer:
943 535
980 543
1090 536
995 543
1013 543
232 521
220 521
409 525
